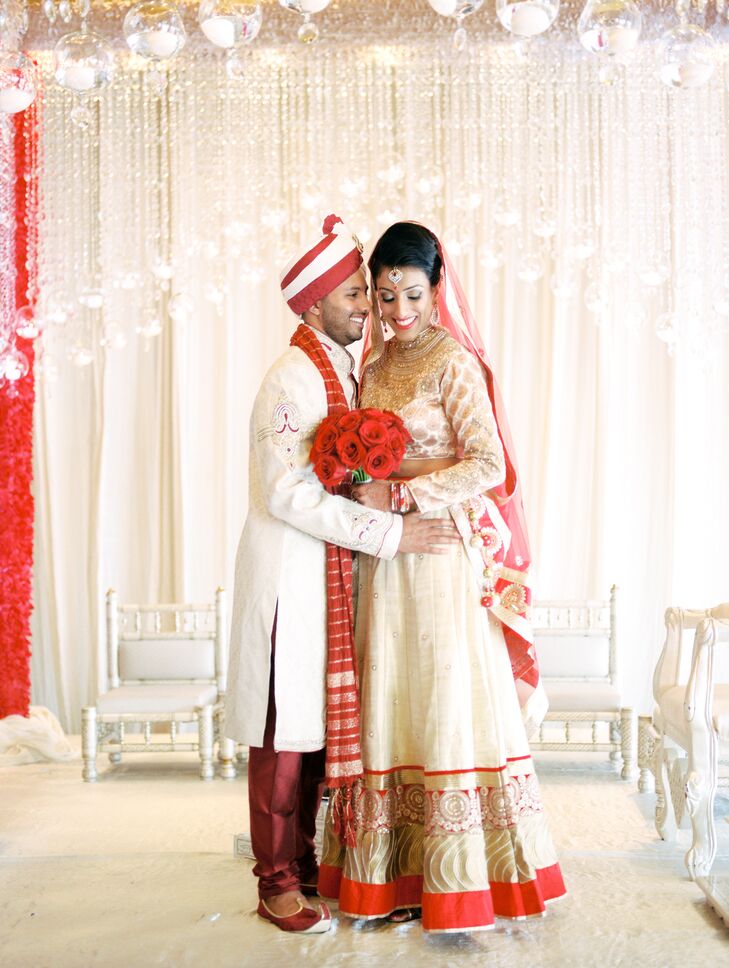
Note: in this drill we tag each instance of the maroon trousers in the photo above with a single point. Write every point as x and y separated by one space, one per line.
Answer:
284 793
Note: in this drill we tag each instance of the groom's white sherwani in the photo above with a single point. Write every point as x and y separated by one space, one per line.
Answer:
281 566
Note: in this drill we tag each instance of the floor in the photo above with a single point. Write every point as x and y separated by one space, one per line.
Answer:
138 870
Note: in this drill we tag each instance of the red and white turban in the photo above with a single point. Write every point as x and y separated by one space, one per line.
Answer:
334 258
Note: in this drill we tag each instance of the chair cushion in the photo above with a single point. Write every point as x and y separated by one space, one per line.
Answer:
672 708
572 655
167 659
581 696
156 698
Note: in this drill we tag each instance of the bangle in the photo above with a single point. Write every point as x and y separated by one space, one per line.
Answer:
399 497
404 498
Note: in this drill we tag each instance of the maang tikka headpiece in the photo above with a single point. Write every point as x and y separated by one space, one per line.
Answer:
394 275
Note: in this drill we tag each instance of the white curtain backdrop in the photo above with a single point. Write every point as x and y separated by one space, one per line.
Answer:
202 193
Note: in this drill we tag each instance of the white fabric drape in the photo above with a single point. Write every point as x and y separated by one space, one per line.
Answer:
141 458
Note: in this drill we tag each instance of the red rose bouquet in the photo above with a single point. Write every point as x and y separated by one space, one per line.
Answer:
366 443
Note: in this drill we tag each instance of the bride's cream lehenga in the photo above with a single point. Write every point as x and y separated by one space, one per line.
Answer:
448 815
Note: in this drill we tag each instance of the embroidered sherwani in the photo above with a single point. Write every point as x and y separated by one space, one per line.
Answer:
280 564
449 815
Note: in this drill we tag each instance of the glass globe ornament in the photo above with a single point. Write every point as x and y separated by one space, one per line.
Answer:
227 23
545 225
113 337
18 85
530 269
26 324
91 297
527 18
80 354
667 328
687 55
150 327
308 32
180 307
610 26
596 299
14 365
154 30
84 62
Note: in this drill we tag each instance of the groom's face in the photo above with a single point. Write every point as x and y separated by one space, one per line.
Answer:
342 314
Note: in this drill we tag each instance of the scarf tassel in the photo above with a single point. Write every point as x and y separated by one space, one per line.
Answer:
341 812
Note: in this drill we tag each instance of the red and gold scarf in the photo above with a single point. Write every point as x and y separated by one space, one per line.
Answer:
343 756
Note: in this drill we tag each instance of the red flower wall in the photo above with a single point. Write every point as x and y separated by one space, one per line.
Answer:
16 446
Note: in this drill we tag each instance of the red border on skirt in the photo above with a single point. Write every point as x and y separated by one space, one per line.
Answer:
443 912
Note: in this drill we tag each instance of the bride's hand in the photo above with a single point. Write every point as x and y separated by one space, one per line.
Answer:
374 495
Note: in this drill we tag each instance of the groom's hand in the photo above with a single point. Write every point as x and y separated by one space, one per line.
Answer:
428 536
374 494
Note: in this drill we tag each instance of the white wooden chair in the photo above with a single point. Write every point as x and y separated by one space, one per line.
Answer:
691 729
577 646
166 665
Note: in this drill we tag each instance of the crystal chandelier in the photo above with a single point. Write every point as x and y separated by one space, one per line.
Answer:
200 186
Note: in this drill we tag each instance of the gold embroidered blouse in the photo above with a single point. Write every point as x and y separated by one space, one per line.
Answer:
439 390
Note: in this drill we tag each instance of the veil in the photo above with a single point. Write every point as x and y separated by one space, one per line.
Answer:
504 507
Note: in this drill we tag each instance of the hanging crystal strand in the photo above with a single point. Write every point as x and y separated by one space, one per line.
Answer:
531 265
65 11
108 222
153 98
24 22
50 11
163 180
460 36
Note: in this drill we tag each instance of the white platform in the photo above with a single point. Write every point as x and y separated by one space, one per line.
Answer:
137 871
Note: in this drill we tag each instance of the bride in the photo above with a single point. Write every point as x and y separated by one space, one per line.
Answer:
448 818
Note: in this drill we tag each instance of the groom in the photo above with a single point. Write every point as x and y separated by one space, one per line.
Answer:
292 599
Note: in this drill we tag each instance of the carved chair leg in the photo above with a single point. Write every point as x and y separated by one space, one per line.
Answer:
226 751
614 738
700 793
88 743
665 817
626 743
646 752
205 742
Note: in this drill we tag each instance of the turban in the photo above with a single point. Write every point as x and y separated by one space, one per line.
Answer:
334 258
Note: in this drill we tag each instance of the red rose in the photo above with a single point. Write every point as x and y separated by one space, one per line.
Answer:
326 437
373 432
396 442
351 450
329 471
350 420
372 413
379 463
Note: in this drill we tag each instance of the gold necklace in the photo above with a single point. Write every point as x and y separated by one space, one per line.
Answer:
403 354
